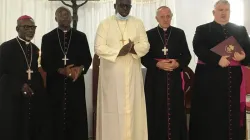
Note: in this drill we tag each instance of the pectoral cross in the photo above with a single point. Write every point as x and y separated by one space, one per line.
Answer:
29 71
165 50
65 59
122 40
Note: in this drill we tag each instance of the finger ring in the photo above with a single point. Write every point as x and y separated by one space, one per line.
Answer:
32 93
70 74
24 92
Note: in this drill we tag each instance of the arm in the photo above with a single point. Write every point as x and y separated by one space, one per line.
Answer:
202 51
141 46
10 82
185 55
101 47
2 61
47 57
147 60
85 58
246 47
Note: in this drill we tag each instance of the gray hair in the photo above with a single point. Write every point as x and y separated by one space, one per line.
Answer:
221 2
157 11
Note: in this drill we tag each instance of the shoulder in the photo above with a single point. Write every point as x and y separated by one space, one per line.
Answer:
49 34
35 47
177 30
8 45
204 26
107 20
237 27
78 33
153 30
135 20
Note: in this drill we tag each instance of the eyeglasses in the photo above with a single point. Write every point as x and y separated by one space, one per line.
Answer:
27 27
125 5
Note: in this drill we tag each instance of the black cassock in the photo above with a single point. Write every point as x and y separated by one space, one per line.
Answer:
68 97
163 90
21 118
215 103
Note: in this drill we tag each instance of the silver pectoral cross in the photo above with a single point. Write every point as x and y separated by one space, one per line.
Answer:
165 50
29 71
65 59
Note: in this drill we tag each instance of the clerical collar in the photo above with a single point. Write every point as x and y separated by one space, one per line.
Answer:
65 31
164 29
26 42
223 25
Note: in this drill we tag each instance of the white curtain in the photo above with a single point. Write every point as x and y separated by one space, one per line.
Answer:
89 15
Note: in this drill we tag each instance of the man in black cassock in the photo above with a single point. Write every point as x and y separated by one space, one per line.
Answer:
23 107
167 56
66 58
215 104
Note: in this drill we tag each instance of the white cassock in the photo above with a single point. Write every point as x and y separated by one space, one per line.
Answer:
121 109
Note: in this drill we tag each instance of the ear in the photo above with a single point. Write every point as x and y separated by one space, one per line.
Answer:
17 28
56 19
213 12
156 18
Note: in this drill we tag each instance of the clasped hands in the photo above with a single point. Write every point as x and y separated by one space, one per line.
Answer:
71 71
168 64
27 91
128 48
224 62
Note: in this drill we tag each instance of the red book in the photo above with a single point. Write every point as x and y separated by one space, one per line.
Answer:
227 47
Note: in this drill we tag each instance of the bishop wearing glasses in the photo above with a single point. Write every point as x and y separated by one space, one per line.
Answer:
23 101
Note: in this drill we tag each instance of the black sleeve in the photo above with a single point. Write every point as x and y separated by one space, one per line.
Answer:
185 57
84 57
201 50
245 43
147 60
10 83
2 59
47 59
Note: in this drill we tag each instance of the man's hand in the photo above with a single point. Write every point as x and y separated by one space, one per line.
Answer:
239 56
132 50
66 71
126 48
224 62
27 91
168 65
76 72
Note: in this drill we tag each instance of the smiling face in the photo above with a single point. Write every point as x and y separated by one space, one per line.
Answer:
26 29
123 7
221 13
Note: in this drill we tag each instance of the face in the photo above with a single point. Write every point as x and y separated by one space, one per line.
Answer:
123 7
63 18
222 13
164 17
26 29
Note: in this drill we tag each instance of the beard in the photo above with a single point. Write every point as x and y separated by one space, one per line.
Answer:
28 38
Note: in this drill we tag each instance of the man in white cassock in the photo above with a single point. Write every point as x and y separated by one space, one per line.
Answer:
120 42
